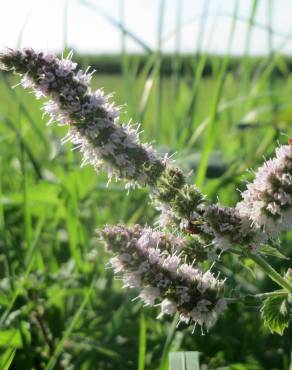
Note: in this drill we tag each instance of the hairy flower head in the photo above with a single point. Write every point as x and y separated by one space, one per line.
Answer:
163 277
267 202
92 118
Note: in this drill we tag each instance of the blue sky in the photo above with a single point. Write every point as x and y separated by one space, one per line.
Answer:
41 25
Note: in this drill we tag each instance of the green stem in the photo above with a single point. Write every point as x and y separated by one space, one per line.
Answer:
270 294
258 296
271 272
267 268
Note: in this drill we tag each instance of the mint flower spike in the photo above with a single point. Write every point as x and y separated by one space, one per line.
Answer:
162 277
91 117
94 128
267 202
228 229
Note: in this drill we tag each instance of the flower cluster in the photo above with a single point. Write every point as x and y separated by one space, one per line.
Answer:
229 229
267 202
91 117
142 260
182 199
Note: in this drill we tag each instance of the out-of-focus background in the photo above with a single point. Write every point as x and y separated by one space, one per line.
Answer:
91 26
210 81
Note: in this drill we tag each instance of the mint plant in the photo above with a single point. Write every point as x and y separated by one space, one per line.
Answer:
172 264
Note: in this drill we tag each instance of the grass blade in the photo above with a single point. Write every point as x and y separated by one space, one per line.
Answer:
184 361
142 342
6 358
209 135
158 105
52 362
167 344
25 112
117 24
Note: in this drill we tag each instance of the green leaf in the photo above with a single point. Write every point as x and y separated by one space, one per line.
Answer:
275 312
10 338
184 361
4 300
6 358
271 251
169 339
52 362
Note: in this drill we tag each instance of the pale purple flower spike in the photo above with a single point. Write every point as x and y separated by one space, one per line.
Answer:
267 202
163 277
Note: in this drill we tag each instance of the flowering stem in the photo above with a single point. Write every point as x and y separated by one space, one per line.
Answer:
281 292
270 294
257 296
267 268
271 272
